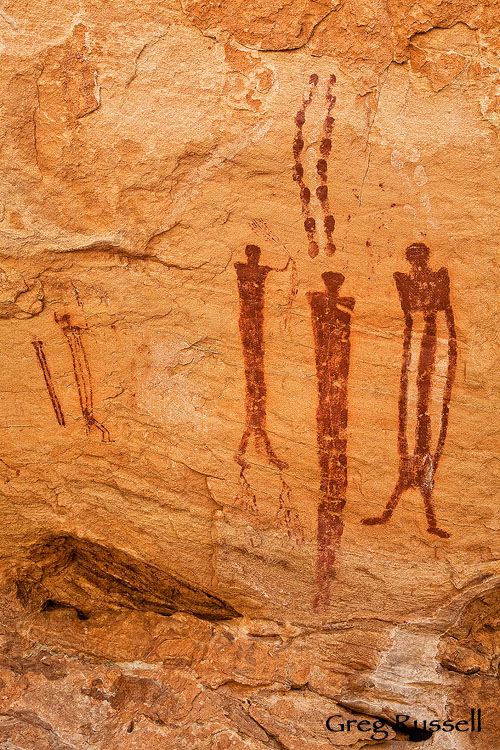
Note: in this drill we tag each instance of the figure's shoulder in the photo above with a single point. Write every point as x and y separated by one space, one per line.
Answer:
314 296
403 281
347 302
400 277
443 273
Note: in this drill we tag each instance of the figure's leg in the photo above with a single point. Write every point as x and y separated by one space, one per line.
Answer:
77 371
273 458
401 486
249 500
432 527
286 516
242 449
82 374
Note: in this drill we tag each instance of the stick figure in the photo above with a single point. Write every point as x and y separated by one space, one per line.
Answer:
428 292
331 329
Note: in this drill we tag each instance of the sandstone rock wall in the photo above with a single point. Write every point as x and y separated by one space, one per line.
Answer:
193 433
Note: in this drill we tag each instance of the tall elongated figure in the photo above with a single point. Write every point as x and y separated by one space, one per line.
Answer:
426 292
331 328
251 280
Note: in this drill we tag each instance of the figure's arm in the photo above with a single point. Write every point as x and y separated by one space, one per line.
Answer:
280 270
403 286
348 302
403 388
450 377
443 279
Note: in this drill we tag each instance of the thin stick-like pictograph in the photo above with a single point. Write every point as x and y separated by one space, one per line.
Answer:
251 280
42 360
426 292
82 374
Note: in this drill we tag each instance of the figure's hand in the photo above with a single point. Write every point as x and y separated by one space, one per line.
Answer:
280 270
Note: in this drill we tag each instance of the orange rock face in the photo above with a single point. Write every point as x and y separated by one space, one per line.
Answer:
249 325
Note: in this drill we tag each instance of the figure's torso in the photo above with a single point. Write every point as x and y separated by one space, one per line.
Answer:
429 292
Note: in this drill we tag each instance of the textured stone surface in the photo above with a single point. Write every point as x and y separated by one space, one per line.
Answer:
163 584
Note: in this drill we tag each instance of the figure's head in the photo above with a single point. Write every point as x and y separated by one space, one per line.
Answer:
418 254
253 254
333 281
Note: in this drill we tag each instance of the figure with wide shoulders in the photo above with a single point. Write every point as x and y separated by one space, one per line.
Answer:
331 323
425 292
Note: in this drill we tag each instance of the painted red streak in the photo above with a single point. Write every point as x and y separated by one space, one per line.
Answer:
56 405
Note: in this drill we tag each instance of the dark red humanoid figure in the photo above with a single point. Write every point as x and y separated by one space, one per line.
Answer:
426 292
331 328
251 281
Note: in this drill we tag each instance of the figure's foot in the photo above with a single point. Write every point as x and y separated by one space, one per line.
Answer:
375 521
438 532
91 422
289 521
241 462
281 465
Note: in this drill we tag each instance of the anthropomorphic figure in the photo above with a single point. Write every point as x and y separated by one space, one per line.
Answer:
331 322
422 292
251 281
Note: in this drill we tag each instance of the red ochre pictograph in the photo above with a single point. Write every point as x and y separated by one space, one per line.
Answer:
251 280
331 323
426 292
82 374
251 276
321 169
42 360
